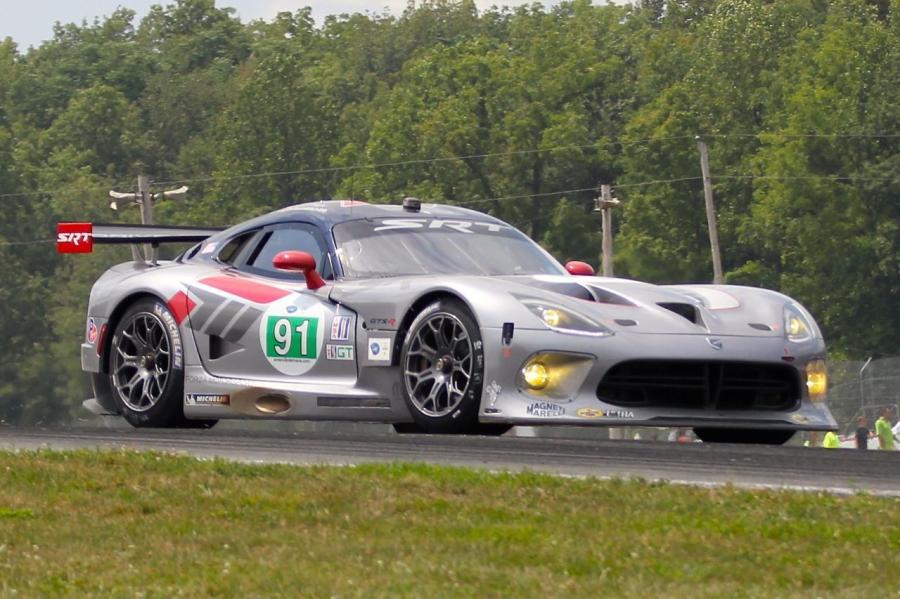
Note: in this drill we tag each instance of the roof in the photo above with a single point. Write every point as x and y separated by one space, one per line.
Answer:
329 213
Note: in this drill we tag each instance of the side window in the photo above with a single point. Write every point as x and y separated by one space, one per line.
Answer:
296 236
231 250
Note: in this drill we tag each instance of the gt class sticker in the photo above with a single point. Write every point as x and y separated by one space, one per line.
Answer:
339 352
291 335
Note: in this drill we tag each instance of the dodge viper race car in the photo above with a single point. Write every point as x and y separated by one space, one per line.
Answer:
436 319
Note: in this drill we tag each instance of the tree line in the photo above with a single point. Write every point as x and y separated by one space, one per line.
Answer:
517 112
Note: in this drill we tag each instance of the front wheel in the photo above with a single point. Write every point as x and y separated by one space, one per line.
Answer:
146 367
442 364
743 435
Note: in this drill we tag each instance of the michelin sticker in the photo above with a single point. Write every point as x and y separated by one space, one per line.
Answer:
206 399
292 335
174 333
380 349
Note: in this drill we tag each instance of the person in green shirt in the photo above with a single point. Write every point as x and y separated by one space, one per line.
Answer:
883 430
831 440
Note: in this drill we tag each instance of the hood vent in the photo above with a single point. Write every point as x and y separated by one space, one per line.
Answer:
571 289
687 311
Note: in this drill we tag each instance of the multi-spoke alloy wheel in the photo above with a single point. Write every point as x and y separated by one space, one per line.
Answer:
438 365
146 373
142 361
442 368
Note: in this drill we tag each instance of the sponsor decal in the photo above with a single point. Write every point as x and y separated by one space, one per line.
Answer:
380 349
208 248
545 409
206 399
382 322
291 309
339 352
493 392
74 238
589 413
169 320
460 226
292 341
477 345
340 328
594 413
91 331
800 418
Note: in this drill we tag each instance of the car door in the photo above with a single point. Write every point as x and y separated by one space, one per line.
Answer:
255 322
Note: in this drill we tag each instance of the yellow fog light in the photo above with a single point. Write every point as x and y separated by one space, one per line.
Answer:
536 375
817 380
552 317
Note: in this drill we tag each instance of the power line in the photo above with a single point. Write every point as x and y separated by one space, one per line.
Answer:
381 165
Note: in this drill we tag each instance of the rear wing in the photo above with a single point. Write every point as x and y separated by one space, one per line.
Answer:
79 238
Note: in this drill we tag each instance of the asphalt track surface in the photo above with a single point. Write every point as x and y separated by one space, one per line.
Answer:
833 470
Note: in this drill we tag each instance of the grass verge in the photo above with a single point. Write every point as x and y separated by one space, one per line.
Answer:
127 523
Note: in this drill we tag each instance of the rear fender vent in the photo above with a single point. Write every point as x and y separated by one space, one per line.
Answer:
687 311
219 347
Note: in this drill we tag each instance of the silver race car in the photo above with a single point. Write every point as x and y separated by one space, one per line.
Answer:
437 319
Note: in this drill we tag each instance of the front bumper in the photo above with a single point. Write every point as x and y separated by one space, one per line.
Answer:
506 399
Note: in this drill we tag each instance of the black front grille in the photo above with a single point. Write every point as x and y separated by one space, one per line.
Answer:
701 385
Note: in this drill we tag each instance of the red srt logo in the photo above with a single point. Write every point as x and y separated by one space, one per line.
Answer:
74 238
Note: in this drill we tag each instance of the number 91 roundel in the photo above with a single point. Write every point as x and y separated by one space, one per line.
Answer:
291 335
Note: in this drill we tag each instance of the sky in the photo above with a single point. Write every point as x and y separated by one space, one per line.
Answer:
29 22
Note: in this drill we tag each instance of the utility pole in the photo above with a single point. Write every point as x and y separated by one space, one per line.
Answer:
710 212
604 204
145 200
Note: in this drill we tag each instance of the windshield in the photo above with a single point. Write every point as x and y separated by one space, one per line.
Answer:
423 246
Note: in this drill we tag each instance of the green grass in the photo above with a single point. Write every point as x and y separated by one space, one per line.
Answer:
127 524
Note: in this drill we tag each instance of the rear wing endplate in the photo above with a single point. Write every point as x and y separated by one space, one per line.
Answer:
79 238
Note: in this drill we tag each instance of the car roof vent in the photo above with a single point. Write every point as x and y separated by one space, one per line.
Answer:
412 204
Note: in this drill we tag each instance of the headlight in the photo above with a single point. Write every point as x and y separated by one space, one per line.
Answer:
565 320
797 326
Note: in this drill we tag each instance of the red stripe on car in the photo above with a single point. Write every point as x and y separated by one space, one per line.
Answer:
180 305
249 290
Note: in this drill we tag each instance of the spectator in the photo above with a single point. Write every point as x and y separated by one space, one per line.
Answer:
862 433
831 440
883 430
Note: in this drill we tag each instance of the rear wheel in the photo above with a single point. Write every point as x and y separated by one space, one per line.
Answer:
743 435
147 370
442 364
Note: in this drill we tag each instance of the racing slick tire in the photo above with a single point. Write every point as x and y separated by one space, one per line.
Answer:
442 367
146 368
743 435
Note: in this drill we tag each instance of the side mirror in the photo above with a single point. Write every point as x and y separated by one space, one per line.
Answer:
293 261
579 269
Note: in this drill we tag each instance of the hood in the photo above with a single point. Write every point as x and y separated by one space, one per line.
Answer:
636 307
